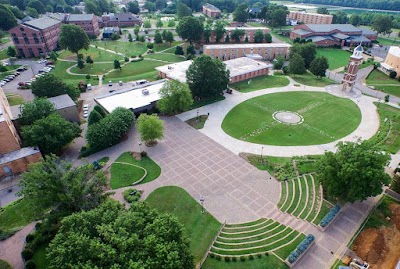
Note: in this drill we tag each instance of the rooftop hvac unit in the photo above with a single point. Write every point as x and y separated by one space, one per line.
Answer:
145 92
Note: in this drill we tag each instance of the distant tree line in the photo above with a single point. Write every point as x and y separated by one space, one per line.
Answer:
375 4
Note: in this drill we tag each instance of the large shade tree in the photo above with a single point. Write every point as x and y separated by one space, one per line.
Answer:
175 98
8 20
111 236
319 66
51 85
150 128
207 78
56 185
355 172
38 109
191 29
73 38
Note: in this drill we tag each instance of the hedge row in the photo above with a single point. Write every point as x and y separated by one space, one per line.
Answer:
234 258
330 216
301 248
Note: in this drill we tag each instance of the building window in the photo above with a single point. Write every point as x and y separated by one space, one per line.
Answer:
25 38
15 38
35 38
31 52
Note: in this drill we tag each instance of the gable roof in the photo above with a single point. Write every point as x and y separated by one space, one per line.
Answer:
124 17
211 7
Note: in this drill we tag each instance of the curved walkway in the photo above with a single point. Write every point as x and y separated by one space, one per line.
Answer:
368 127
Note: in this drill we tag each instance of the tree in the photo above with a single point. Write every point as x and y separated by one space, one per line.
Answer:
382 24
355 19
150 128
150 6
138 237
50 86
191 29
355 172
32 12
171 23
150 46
133 7
183 10
268 38
160 4
54 56
80 64
278 64
179 50
207 33
340 17
36 4
91 7
73 38
147 24
159 24
89 60
8 20
278 17
258 36
136 29
169 37
319 66
190 50
38 109
55 184
50 134
117 65
94 117
241 14
175 98
11 51
207 78
100 110
307 50
219 30
237 34
157 38
296 64
109 130
322 10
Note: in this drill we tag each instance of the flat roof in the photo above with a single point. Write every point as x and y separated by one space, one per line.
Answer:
248 45
18 154
229 28
394 50
131 98
238 66
80 17
212 7
42 23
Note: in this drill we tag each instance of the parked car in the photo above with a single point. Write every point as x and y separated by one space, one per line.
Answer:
85 114
89 87
21 69
49 63
111 91
2 83
110 83
85 107
16 73
21 83
120 83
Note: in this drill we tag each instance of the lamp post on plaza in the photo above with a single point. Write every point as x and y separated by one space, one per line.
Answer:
202 203
140 145
197 117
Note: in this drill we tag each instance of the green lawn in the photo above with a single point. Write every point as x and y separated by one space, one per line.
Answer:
201 228
382 82
3 54
16 215
326 119
123 175
39 257
311 80
259 83
14 99
97 55
336 57
128 48
388 42
93 69
5 265
389 136
197 123
60 71
325 208
197 104
166 57
265 262
381 214
136 70
165 46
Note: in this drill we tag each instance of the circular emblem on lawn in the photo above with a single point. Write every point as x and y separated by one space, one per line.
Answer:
288 117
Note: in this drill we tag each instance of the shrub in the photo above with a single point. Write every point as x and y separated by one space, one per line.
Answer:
29 238
259 255
234 259
227 258
87 76
143 154
27 254
132 195
212 255
30 264
242 258
218 257
266 254
330 216
251 257
126 59
392 74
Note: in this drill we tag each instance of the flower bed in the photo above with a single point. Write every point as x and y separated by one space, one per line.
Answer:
329 217
300 250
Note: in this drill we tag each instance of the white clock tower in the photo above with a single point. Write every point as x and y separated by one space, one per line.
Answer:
350 76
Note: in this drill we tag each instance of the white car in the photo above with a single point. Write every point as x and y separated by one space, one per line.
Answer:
2 83
85 114
85 107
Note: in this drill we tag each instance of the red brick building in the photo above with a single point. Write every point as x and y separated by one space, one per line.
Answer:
327 35
121 20
36 38
88 22
211 11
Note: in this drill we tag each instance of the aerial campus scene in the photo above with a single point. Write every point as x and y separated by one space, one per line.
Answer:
200 134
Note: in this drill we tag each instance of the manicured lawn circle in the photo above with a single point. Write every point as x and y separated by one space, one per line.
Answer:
326 118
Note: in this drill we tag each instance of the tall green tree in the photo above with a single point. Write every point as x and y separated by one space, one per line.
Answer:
382 24
355 172
32 12
322 10
355 19
111 236
219 30
35 110
150 128
159 24
175 98
183 10
8 20
307 50
56 185
319 66
268 38
258 36
241 14
296 64
36 4
278 17
207 78
169 37
133 6
50 134
191 29
89 60
51 85
94 117
207 33
73 38
11 51
237 34
157 38
117 65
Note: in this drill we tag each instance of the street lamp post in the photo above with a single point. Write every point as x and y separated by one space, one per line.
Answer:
197 117
262 149
140 145
202 203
